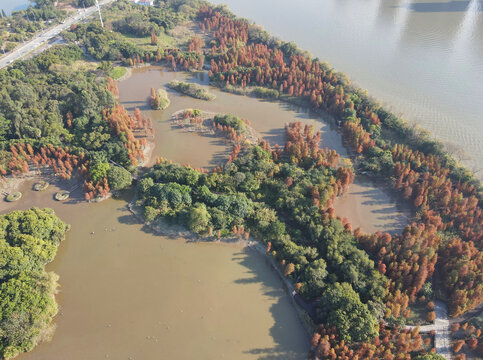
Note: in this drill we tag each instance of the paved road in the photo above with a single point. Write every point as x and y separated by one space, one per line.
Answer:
441 327
47 35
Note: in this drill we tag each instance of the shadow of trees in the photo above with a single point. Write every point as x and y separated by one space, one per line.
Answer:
289 337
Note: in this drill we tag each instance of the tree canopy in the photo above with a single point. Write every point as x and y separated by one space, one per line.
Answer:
118 177
28 241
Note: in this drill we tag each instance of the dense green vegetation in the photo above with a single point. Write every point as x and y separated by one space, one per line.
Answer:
140 33
28 241
193 90
142 21
232 121
118 177
37 94
100 44
51 114
282 203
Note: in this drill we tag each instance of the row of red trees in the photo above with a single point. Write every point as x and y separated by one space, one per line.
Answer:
391 344
444 203
25 157
410 258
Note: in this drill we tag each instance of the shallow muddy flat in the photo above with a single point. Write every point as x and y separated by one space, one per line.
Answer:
369 206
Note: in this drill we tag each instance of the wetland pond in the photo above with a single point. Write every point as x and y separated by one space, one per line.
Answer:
126 293
366 205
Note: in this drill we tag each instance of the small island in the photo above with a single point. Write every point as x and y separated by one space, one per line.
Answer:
41 186
193 90
15 196
62 195
159 99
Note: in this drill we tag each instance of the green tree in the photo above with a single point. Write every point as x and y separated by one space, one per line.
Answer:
149 213
144 186
85 3
340 306
98 170
198 218
313 278
118 177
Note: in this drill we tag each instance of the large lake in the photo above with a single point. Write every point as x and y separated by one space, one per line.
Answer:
424 59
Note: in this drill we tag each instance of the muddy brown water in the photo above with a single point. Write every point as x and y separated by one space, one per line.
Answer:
267 118
366 205
128 294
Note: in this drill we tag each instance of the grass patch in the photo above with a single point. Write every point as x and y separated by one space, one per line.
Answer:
165 41
418 314
193 90
118 72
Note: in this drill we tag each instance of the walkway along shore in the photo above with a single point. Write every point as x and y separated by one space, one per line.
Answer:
441 328
302 314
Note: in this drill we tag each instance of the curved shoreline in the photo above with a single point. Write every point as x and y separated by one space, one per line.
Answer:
127 75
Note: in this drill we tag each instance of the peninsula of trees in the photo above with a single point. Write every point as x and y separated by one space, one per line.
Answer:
193 90
52 115
28 241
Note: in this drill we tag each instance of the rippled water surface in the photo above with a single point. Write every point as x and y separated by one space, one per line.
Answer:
424 59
